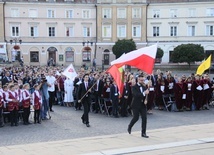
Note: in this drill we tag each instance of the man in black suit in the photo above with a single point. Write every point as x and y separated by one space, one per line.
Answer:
98 88
84 93
114 98
77 82
139 92
6 78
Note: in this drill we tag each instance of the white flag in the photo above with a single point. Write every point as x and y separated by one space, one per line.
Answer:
70 72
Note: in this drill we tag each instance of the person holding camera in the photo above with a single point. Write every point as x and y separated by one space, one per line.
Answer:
45 97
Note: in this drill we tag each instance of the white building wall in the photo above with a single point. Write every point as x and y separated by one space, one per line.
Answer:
167 42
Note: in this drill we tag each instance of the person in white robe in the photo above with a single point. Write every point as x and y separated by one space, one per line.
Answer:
69 87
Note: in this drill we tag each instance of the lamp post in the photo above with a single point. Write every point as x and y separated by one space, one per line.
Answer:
87 48
15 47
102 65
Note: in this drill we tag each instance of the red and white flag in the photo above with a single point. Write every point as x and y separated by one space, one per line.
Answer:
70 72
143 58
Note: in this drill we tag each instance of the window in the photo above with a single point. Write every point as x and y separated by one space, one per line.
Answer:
34 56
210 12
15 31
33 13
173 30
69 55
191 30
86 55
209 30
106 31
155 31
14 12
192 12
173 13
136 31
51 13
34 31
86 31
136 13
85 14
106 13
121 13
69 13
70 31
51 31
121 30
156 13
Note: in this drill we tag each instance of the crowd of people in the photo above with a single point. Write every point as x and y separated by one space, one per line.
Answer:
37 89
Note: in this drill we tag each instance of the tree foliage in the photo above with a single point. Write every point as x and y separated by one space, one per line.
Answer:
159 53
123 46
188 53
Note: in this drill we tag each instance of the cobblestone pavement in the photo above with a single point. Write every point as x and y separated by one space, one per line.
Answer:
66 124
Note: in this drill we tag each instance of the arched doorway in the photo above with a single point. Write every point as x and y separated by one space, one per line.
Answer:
16 53
52 53
106 57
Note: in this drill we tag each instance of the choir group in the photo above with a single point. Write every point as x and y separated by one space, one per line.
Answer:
34 90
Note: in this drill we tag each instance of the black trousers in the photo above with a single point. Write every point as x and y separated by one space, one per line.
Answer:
37 116
86 105
14 117
136 112
1 117
26 114
96 98
124 106
115 107
51 99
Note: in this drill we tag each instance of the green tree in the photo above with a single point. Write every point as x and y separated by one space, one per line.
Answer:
159 53
188 53
123 46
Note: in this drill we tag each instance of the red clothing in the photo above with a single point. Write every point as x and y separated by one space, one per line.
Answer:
26 103
13 105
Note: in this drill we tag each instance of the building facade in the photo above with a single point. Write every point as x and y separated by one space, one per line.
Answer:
78 31
172 23
3 53
62 30
119 19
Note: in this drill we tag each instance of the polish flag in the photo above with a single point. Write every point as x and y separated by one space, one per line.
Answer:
118 75
143 59
70 72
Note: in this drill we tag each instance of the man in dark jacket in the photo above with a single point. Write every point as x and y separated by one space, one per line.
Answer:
139 92
84 96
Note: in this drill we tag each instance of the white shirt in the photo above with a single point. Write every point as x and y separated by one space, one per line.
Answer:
51 80
36 93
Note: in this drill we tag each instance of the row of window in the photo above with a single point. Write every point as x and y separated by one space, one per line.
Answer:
33 31
107 13
69 56
69 31
191 30
107 31
174 12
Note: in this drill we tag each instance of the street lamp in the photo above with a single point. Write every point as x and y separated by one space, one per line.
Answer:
87 48
102 65
15 47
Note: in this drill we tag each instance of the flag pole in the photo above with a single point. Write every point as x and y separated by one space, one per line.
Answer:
87 92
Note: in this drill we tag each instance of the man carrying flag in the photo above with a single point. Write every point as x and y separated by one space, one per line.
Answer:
143 59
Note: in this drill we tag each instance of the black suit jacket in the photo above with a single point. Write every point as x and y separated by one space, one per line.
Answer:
138 97
82 90
113 93
5 80
100 87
